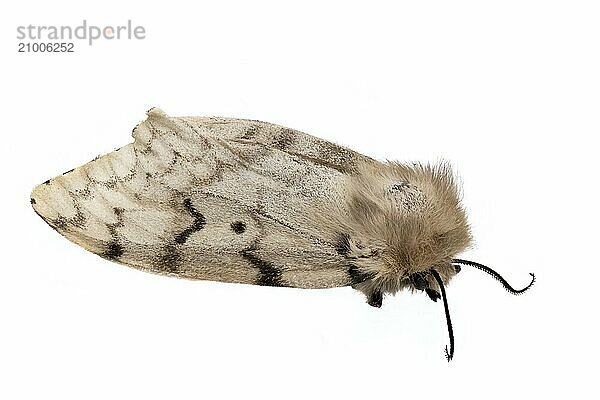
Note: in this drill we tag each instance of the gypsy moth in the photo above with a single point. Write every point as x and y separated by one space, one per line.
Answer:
251 202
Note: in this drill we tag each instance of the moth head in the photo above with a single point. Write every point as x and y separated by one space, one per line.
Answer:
411 217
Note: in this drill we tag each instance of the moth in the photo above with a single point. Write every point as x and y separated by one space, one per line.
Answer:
245 201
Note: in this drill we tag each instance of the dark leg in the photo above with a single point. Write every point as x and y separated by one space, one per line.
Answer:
375 299
433 294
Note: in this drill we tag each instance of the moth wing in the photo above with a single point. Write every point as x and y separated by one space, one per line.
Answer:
205 199
300 145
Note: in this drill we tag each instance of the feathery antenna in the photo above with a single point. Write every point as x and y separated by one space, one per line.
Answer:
496 275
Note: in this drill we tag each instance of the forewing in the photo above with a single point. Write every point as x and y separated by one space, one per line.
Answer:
208 198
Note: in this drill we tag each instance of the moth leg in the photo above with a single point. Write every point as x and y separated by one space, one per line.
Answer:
433 294
374 295
375 298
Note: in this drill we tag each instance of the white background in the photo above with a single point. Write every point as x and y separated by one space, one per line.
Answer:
508 91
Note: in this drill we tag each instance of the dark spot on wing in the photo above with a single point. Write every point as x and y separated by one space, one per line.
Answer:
342 244
79 219
284 139
170 259
112 228
198 224
60 222
250 132
32 200
269 275
356 276
238 227
113 251
47 182
71 170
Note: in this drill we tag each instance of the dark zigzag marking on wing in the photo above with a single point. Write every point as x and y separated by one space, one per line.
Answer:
269 274
114 249
198 224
